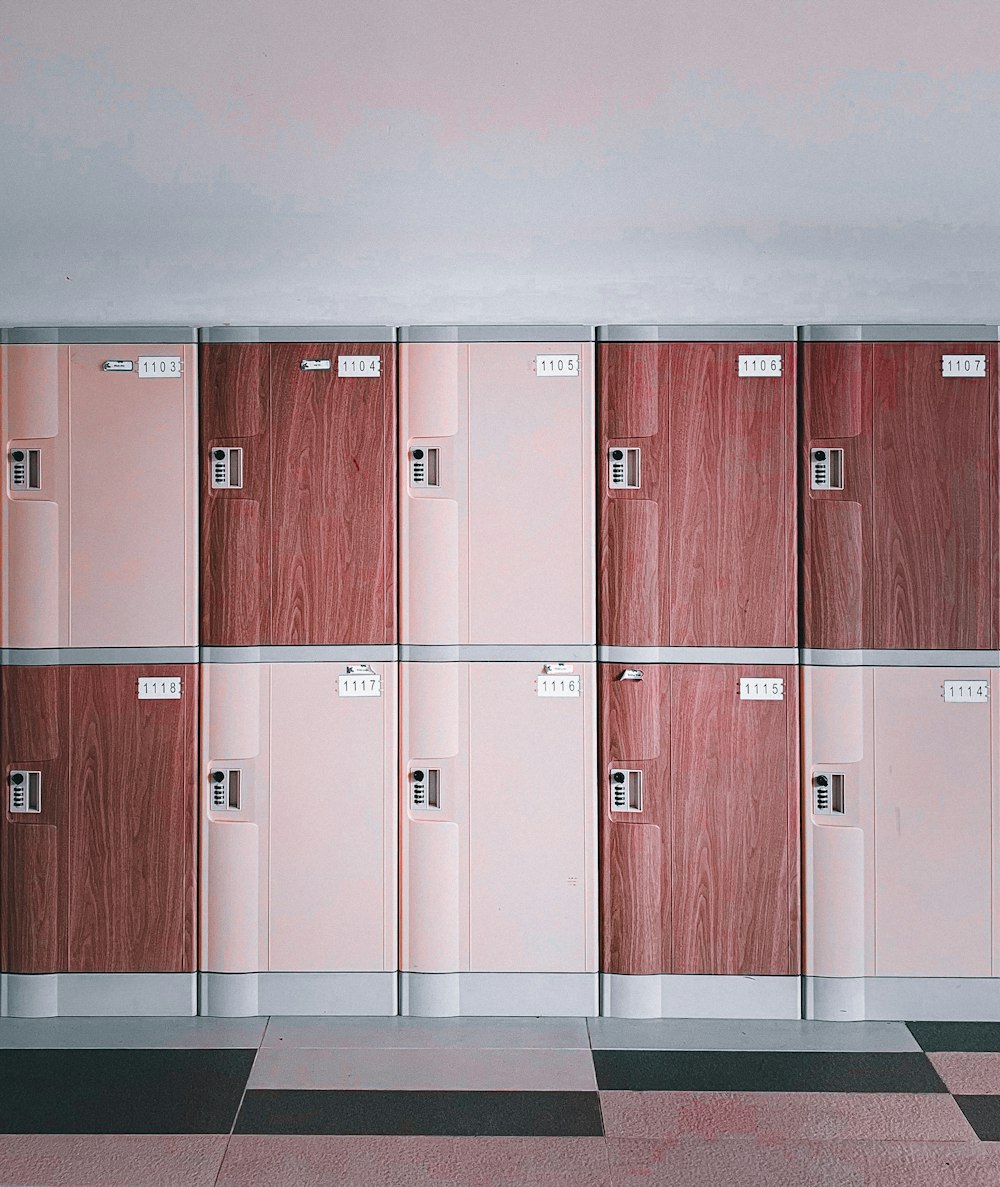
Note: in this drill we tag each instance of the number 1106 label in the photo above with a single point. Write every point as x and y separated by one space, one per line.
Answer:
757 689
557 364
750 366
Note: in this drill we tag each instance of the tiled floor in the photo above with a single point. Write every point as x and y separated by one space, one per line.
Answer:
497 1102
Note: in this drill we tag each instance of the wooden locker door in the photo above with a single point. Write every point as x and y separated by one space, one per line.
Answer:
133 822
635 846
734 821
33 846
732 498
936 498
333 497
235 533
634 540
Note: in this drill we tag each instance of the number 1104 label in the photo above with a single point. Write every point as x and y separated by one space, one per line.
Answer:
358 364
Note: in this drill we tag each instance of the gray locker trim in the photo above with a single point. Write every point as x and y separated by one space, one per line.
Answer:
364 653
100 995
824 657
44 657
63 335
692 995
702 333
874 332
698 655
251 995
297 334
501 653
885 999
580 334
479 995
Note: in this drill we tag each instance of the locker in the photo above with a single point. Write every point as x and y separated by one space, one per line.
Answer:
497 473
697 488
299 898
499 838
901 507
99 518
699 840
98 839
902 791
298 486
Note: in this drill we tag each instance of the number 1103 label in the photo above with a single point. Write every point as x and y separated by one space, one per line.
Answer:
759 689
557 364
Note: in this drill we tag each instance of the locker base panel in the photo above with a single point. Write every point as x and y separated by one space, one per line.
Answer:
485 995
98 995
249 995
896 999
683 995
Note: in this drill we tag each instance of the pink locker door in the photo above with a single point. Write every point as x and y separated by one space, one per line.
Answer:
133 504
332 872
497 519
936 790
35 528
532 819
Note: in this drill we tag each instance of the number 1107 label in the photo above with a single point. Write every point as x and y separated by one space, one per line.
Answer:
557 364
967 366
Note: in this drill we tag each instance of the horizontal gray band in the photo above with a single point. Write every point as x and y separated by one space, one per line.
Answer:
496 334
482 653
698 655
900 333
770 333
297 334
825 657
364 653
98 995
60 335
45 657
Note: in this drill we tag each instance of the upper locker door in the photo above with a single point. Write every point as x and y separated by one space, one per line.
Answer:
936 501
133 433
235 494
333 522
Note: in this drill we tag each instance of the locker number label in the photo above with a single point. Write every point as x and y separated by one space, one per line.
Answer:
967 692
559 686
963 366
367 685
349 365
160 366
557 364
752 689
754 366
159 688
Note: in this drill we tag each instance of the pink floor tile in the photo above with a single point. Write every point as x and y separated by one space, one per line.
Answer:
87 1160
776 1116
692 1161
969 1073
415 1162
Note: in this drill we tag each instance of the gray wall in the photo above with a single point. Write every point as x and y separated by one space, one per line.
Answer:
303 161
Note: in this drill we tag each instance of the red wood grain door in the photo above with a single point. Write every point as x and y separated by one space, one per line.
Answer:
333 498
936 498
33 846
235 524
131 862
705 878
702 553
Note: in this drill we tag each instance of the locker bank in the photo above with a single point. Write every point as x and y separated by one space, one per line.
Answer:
698 679
100 678
497 679
900 528
299 727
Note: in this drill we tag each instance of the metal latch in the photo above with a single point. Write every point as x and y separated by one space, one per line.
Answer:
315 365
554 669
118 365
624 468
360 670
25 791
631 674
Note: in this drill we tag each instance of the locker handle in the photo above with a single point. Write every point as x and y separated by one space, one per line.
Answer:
426 788
425 467
826 469
828 793
25 791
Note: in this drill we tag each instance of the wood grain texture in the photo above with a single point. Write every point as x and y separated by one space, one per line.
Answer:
33 900
936 510
635 847
837 569
333 499
235 540
732 499
133 822
734 824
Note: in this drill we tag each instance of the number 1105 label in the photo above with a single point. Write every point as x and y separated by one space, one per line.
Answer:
557 364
